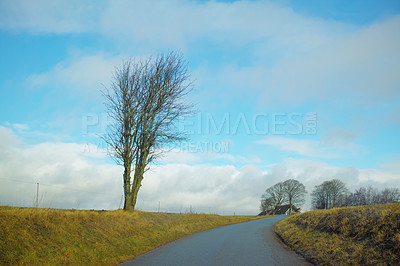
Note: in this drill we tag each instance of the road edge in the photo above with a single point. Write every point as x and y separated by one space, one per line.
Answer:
307 259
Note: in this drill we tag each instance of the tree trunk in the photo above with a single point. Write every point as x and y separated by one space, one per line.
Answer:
275 209
138 177
128 203
290 206
334 201
136 185
135 192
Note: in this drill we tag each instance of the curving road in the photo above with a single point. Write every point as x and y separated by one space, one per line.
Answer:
250 243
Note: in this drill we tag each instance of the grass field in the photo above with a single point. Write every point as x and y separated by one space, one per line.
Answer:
366 235
30 236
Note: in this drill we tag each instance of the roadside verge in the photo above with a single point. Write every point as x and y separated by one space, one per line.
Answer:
32 236
366 235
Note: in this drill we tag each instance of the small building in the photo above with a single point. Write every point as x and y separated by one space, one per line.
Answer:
281 210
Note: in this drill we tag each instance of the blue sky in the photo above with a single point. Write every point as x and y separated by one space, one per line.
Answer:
283 89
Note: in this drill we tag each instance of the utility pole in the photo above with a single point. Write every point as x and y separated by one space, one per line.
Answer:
37 195
159 205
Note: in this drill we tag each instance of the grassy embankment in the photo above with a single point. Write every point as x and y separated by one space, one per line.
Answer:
31 236
366 235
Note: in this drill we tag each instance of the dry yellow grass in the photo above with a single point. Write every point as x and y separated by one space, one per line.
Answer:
365 235
30 236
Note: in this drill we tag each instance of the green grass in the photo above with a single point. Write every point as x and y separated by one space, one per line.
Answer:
30 236
365 235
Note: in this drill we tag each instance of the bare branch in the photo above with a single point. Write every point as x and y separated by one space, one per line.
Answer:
145 100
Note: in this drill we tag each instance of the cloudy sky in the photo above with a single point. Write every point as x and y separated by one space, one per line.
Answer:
283 89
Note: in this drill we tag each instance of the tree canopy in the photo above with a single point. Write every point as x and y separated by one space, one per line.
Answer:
145 100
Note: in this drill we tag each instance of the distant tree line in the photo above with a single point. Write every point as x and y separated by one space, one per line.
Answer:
289 192
369 195
333 193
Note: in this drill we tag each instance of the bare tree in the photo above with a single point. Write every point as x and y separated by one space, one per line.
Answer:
329 194
266 204
277 195
337 191
319 197
295 192
389 195
369 195
145 100
361 196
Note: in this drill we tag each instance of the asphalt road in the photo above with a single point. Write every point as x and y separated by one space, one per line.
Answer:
250 243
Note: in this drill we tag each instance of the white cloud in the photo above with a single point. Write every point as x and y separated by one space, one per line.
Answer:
174 22
339 137
311 148
388 174
69 177
335 143
20 127
293 58
184 156
314 172
179 156
362 66
238 23
206 152
205 188
350 65
8 139
47 16
85 73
